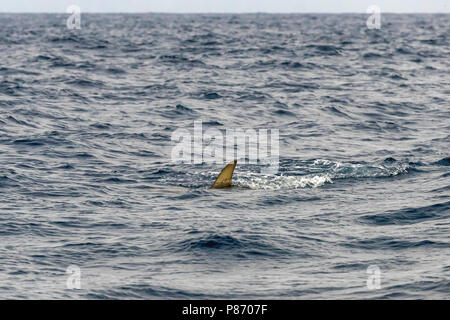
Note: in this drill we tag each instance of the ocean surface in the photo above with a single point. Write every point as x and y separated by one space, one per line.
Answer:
87 180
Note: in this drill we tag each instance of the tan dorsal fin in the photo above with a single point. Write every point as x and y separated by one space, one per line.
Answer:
225 176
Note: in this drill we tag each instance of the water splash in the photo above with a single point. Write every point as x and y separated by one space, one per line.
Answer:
282 182
316 173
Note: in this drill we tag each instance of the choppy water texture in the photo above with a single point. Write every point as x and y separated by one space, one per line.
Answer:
86 177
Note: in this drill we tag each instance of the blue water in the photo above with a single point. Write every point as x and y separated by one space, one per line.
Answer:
86 177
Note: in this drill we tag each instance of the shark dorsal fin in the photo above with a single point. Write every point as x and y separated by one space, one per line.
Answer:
225 176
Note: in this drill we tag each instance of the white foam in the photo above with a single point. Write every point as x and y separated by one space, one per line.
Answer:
331 171
283 182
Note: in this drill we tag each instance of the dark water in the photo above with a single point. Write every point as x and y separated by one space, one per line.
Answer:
86 177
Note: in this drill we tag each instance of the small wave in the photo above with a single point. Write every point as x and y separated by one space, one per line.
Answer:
372 55
140 291
248 246
179 59
212 96
325 49
6 181
102 126
10 88
70 38
408 215
213 242
389 243
292 64
178 110
20 122
116 180
30 142
8 71
212 123
115 71
281 112
334 110
443 162
85 83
